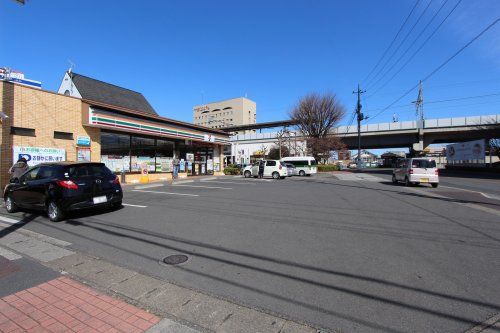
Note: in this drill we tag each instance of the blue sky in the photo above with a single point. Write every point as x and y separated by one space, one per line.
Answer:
274 51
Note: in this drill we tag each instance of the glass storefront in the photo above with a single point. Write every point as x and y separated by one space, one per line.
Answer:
124 152
128 152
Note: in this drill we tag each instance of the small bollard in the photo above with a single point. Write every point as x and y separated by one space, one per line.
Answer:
122 177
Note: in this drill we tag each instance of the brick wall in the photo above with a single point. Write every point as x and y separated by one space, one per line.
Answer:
46 112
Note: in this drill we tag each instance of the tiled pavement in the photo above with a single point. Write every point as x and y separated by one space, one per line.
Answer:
64 305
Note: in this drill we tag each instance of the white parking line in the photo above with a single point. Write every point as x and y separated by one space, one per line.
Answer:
182 182
139 206
200 186
489 196
148 186
159 192
228 182
9 220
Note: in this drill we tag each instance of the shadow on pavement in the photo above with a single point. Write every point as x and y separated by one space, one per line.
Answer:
137 234
27 218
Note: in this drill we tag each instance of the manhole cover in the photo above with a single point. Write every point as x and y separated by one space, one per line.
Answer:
175 259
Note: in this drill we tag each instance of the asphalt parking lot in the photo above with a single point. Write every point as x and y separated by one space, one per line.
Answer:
347 254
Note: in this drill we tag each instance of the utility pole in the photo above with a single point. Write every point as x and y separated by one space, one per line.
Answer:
419 113
360 117
419 106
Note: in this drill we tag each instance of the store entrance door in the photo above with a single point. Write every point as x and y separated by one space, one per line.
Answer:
203 162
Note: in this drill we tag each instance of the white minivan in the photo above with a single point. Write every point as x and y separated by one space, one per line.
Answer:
273 168
416 171
304 166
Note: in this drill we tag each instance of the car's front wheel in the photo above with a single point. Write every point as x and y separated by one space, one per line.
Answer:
276 175
54 212
302 173
394 180
10 206
248 174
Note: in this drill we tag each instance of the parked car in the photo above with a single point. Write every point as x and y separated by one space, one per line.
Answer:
273 168
416 171
58 188
291 170
304 165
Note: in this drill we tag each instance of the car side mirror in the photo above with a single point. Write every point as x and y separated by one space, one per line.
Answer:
14 180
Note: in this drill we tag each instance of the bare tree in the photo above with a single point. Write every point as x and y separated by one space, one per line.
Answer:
283 140
315 115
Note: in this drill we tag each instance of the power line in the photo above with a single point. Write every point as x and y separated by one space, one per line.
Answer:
393 40
350 122
439 86
402 42
442 65
409 47
420 48
444 100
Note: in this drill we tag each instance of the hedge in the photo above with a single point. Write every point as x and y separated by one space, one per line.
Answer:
327 167
231 171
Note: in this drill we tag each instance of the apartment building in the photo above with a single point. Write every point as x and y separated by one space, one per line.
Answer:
230 112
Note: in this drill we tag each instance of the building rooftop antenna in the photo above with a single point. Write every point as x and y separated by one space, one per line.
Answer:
72 65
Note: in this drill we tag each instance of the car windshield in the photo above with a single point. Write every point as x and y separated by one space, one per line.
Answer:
86 170
423 164
313 162
283 164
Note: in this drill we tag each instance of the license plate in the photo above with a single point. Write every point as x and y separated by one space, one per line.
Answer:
424 180
98 200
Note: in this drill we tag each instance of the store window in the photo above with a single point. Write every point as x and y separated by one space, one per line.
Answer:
123 152
115 151
143 152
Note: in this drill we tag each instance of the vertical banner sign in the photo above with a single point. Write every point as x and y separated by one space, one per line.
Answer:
37 155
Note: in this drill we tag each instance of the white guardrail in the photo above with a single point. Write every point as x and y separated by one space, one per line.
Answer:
392 126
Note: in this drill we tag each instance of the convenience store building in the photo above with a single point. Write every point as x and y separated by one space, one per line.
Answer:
91 120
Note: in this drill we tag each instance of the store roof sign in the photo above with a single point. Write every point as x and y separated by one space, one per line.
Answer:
83 141
209 138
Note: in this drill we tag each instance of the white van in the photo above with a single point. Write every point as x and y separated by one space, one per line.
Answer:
416 171
272 168
305 165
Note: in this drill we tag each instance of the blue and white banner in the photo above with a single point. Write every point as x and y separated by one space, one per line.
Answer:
37 155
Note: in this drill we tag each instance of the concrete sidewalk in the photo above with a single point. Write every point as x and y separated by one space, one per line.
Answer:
93 295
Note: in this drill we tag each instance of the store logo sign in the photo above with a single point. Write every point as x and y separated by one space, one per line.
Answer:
209 138
83 141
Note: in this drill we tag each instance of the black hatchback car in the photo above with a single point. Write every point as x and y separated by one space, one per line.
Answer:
58 188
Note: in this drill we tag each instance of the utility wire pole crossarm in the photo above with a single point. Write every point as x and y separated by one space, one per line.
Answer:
360 117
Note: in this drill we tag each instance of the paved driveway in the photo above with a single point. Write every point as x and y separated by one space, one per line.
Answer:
354 255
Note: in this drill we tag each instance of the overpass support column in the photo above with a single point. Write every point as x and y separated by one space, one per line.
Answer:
419 146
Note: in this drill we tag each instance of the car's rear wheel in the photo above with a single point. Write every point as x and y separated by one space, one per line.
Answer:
276 175
407 182
10 206
248 174
394 180
54 212
302 173
434 185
